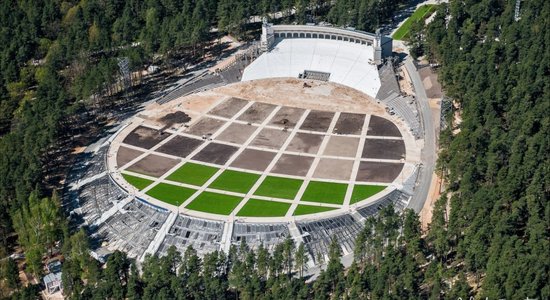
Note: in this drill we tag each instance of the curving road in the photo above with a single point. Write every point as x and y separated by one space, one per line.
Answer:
428 153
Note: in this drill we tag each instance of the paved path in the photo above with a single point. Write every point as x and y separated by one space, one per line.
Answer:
428 153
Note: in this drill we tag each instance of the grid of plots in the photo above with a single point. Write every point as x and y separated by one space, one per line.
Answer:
254 159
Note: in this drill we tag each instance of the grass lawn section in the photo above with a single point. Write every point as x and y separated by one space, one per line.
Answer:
172 194
362 192
235 181
138 182
308 209
326 192
421 13
214 203
194 174
279 187
263 208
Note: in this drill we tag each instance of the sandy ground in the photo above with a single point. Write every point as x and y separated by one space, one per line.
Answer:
433 195
405 82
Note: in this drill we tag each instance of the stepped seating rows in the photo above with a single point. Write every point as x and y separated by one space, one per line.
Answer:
203 235
255 234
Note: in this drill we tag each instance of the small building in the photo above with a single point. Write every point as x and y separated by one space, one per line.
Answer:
52 282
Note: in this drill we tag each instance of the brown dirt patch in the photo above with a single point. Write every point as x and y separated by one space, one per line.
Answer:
228 108
252 159
180 146
236 133
379 126
317 120
257 113
384 149
145 137
215 153
342 146
287 117
305 143
338 169
153 165
270 139
349 123
205 126
378 171
293 165
125 155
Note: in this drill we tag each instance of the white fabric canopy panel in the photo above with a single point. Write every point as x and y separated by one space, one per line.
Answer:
347 63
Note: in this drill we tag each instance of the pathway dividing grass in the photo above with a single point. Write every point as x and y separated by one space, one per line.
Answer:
309 209
420 14
191 173
279 187
263 208
214 203
171 194
138 182
362 192
326 192
235 181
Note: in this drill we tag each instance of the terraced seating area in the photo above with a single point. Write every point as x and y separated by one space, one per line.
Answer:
317 235
255 234
203 235
407 112
96 197
133 228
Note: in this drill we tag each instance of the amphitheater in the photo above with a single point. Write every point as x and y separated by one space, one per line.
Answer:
306 141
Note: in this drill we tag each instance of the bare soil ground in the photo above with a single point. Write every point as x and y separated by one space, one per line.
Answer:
317 121
293 165
215 153
153 165
378 171
252 159
126 155
379 126
180 146
292 92
383 149
349 123
145 137
270 138
342 146
236 133
287 117
334 169
305 143
431 84
257 113
228 108
205 126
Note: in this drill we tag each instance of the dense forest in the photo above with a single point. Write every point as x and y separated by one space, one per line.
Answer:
490 232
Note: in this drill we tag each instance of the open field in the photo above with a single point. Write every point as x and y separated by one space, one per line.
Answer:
214 203
421 13
262 208
194 174
138 182
362 192
326 192
171 194
279 187
309 209
235 181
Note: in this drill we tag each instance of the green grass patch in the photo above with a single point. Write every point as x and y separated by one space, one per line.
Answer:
235 181
420 14
362 192
263 208
214 203
138 182
171 194
194 174
279 187
326 192
308 209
